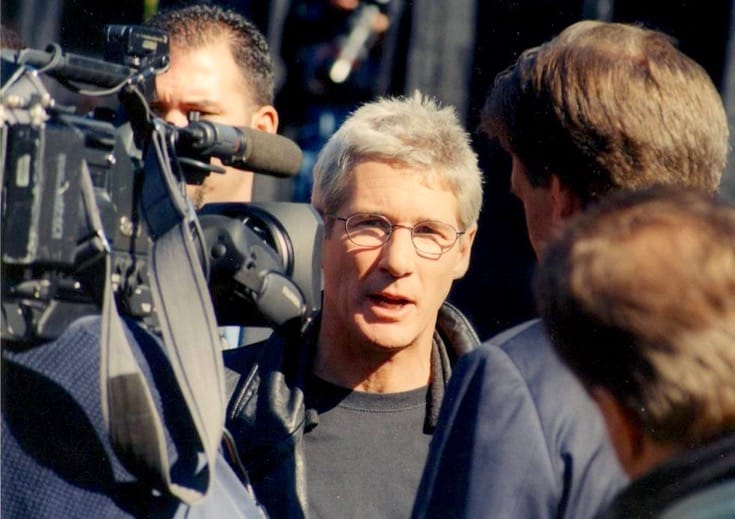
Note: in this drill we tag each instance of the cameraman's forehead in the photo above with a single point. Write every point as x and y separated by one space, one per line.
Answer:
206 75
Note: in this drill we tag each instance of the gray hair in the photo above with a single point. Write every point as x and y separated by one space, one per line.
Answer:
414 132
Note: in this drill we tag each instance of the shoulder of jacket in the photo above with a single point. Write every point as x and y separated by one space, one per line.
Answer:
244 365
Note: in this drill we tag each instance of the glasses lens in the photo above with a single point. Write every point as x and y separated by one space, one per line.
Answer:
432 237
368 230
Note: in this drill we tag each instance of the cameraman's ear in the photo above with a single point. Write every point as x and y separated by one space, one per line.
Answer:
265 119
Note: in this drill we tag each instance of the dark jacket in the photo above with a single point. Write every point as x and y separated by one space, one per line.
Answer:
267 414
698 484
57 459
517 437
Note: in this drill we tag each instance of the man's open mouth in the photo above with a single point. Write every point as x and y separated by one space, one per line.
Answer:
389 300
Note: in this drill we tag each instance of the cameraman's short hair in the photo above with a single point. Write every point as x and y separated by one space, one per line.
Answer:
608 106
197 25
638 296
414 132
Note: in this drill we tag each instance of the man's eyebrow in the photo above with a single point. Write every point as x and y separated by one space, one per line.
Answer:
204 105
201 104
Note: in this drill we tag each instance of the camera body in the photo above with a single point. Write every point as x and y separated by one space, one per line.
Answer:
76 193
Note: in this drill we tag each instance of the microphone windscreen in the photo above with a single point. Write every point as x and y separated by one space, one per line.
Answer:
270 154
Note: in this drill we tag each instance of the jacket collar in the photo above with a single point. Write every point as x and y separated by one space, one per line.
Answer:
673 480
453 337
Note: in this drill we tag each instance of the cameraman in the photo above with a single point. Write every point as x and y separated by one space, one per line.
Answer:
221 71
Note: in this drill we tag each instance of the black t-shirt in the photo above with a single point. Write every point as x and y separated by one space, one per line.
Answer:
365 457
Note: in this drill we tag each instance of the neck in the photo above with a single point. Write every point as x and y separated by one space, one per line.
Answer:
368 368
651 454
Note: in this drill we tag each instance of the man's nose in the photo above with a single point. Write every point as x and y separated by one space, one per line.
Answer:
398 253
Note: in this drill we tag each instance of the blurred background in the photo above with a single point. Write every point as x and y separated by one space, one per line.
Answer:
332 55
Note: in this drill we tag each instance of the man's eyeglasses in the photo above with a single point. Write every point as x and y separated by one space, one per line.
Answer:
431 238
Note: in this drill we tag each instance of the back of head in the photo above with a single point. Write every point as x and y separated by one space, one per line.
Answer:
638 296
608 106
197 25
413 132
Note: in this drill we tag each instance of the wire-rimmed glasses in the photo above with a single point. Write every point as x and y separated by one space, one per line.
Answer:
431 238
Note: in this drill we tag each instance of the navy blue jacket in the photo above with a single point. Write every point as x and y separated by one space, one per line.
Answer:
57 459
517 436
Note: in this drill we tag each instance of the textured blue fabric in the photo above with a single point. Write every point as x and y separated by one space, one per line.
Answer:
57 460
518 437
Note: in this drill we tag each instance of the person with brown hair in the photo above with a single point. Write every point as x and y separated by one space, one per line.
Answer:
601 107
638 297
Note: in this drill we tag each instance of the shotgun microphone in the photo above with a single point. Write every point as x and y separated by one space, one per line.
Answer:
242 148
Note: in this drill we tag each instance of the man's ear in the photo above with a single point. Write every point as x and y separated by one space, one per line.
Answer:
565 203
265 119
464 245
624 430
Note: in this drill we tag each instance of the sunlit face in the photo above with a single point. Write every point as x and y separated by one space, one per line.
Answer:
537 206
207 80
387 297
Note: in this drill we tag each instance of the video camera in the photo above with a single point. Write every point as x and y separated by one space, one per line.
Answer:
79 189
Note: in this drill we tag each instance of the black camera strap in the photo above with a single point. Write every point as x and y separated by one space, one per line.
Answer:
191 340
